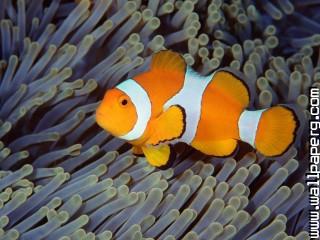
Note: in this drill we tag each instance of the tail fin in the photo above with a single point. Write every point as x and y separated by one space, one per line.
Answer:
276 131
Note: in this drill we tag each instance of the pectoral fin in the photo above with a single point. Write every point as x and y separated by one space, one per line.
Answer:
159 156
169 125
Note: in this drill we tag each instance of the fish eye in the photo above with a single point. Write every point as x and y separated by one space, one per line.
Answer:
124 102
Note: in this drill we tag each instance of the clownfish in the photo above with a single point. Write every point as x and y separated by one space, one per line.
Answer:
172 103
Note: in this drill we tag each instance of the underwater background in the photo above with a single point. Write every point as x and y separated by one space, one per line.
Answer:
63 177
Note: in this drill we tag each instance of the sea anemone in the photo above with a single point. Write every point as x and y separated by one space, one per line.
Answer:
62 177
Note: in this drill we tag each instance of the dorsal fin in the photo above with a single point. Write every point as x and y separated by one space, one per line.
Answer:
167 60
233 86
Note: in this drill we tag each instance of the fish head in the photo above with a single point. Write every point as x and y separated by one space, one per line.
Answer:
116 113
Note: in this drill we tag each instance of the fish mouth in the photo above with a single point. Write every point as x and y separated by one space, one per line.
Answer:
100 118
99 114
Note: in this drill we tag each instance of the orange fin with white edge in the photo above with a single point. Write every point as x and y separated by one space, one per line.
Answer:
167 60
168 126
159 156
276 131
222 148
233 87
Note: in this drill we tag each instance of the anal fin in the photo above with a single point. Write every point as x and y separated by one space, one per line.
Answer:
137 151
221 148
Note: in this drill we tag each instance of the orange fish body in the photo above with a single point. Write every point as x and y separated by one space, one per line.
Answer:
172 103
